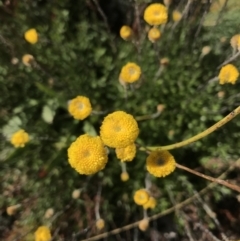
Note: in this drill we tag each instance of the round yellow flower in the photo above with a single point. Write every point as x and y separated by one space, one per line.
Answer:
160 163
87 155
126 32
119 129
124 176
228 74
235 42
176 16
100 223
150 204
80 107
31 36
27 59
141 197
126 153
154 34
130 73
20 138
43 234
156 14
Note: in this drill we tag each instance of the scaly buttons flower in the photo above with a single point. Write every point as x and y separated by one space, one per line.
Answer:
154 34
160 163
43 234
156 14
87 155
119 129
176 16
126 32
235 42
126 153
141 197
31 36
130 73
20 138
228 74
151 203
80 107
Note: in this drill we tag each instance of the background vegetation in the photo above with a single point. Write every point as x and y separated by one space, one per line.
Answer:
80 52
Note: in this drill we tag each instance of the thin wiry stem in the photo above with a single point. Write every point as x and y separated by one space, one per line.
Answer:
164 213
221 12
212 179
229 60
199 136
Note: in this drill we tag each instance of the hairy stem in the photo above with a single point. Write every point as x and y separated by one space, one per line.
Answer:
199 136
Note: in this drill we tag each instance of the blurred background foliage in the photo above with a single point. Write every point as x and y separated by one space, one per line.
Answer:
81 53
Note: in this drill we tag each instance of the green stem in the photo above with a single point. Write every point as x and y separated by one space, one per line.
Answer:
213 128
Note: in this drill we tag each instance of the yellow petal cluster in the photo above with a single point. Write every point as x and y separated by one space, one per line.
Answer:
31 36
235 42
100 223
119 129
80 107
124 176
151 203
228 74
160 163
126 32
141 197
43 234
130 73
20 138
27 59
156 14
87 155
126 153
176 16
154 34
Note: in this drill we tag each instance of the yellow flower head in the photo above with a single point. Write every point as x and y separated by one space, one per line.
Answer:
119 129
154 34
20 138
100 224
126 153
87 154
43 234
141 197
124 176
160 163
176 16
156 14
126 32
80 107
130 73
235 42
31 36
228 74
27 59
150 204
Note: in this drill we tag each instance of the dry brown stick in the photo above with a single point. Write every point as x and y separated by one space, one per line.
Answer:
212 179
167 211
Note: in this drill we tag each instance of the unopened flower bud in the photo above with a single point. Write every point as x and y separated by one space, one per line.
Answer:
49 213
11 210
143 224
76 193
100 224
